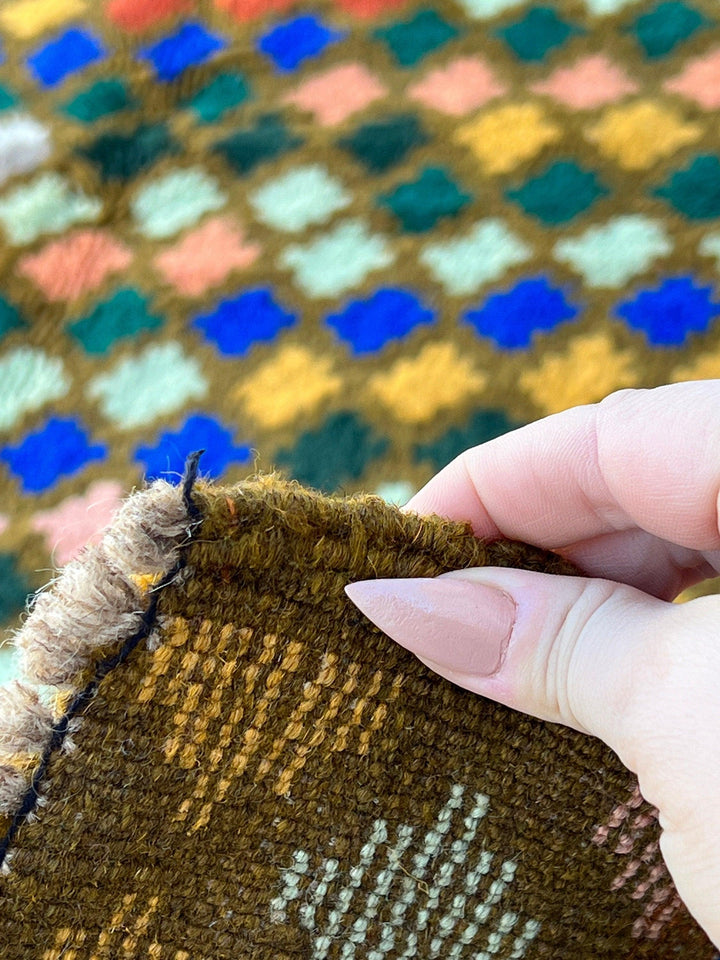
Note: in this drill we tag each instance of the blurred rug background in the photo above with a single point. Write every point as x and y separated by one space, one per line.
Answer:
345 239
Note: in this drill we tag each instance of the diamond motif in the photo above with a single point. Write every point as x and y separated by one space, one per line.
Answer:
122 156
338 260
668 24
30 379
415 389
385 143
637 135
76 264
58 449
142 388
206 256
412 40
300 198
225 91
506 136
668 314
609 255
100 100
420 204
590 82
248 148
176 200
290 44
235 325
482 426
696 190
49 204
390 314
191 45
590 369
559 194
511 319
539 32
338 452
125 314
336 94
699 81
463 85
465 264
67 54
166 459
298 381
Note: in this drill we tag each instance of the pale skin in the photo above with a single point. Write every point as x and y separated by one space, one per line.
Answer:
628 489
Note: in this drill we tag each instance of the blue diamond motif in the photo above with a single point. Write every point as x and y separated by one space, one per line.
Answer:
67 54
60 448
668 314
190 45
367 325
291 43
166 459
237 324
511 319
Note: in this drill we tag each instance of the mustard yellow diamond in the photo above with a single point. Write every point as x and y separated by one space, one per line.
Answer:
639 134
505 137
589 370
415 390
28 18
292 384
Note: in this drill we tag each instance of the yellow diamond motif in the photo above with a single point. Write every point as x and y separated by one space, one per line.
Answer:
292 384
590 369
504 137
639 134
416 389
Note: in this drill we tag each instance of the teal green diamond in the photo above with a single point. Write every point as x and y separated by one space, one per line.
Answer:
223 93
10 318
539 32
667 25
338 452
420 204
559 194
124 314
100 100
696 190
7 98
412 40
482 426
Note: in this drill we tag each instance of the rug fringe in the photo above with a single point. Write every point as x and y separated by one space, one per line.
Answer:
97 600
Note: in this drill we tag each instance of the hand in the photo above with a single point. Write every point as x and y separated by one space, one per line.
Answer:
627 489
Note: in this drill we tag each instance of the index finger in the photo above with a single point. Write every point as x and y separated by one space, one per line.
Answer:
647 459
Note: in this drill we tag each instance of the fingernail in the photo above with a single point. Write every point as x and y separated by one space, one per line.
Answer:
461 624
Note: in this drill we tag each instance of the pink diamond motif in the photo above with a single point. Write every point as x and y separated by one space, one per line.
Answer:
589 83
699 81
67 268
458 88
337 93
206 256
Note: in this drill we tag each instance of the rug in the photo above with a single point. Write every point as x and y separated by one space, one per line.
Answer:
234 763
343 239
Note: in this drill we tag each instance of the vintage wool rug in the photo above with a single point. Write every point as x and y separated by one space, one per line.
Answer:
345 239
234 763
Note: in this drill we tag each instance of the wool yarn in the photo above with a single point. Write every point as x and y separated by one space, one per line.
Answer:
346 239
212 753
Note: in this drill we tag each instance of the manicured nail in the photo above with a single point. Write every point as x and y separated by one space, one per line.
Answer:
458 623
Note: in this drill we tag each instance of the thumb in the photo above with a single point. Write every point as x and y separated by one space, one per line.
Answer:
569 650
